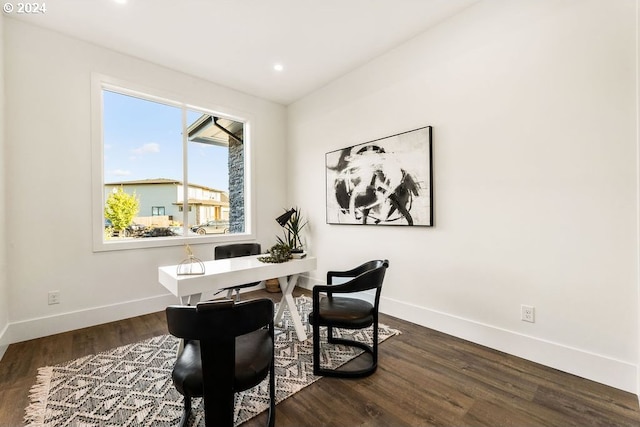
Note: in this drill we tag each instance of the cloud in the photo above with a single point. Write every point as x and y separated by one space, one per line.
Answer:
150 147
119 172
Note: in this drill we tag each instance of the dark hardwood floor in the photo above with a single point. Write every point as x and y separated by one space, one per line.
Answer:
424 378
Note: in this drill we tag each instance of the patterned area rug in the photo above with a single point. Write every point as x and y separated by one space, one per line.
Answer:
131 385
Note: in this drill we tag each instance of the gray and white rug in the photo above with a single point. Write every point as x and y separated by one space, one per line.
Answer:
131 385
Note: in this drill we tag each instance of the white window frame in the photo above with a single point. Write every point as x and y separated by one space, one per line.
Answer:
100 82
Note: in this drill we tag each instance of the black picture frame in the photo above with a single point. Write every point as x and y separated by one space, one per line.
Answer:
387 181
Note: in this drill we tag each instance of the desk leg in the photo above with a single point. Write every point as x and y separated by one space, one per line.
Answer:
190 299
287 300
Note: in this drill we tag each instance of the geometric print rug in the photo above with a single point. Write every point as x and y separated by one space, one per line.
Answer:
131 385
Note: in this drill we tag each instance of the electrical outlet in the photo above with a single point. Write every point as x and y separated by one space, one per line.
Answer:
528 313
54 297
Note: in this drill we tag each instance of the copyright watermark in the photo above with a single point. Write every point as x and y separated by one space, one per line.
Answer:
25 8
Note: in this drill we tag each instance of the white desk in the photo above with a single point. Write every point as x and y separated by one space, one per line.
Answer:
223 273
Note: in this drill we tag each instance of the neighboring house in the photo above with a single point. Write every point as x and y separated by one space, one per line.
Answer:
163 198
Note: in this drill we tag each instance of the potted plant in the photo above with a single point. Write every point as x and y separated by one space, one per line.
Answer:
292 224
289 246
277 253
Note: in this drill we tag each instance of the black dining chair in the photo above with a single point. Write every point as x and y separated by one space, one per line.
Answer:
232 251
228 347
333 311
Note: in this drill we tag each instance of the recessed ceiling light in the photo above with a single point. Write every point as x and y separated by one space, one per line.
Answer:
278 67
120 1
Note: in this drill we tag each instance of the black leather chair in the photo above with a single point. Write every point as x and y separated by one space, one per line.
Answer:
349 313
232 251
228 347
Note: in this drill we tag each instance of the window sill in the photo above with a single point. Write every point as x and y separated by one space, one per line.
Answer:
160 242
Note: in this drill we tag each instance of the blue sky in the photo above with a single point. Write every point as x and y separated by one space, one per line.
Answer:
143 140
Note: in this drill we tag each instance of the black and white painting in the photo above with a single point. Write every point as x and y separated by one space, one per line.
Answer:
383 182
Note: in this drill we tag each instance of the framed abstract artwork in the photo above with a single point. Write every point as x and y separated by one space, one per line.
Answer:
387 181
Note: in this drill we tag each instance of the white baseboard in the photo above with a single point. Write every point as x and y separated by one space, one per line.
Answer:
595 367
3 344
606 370
64 322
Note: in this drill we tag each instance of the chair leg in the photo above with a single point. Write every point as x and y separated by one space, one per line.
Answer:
357 373
184 421
272 396
375 343
316 349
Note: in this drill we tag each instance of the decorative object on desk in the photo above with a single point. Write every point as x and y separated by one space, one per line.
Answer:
292 223
191 265
383 182
277 254
131 385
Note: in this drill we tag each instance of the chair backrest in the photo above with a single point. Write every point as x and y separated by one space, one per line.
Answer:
355 272
369 275
216 324
219 319
236 250
369 279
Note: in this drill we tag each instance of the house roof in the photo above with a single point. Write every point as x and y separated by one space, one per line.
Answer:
214 130
155 181
223 203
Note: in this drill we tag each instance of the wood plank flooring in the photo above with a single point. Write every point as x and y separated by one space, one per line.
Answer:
424 378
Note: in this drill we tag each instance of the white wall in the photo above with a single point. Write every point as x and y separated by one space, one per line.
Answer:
48 201
533 110
638 160
4 290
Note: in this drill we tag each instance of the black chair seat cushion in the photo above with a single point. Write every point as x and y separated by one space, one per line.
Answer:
344 313
254 352
250 370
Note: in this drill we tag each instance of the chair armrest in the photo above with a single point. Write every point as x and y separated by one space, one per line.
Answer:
322 288
343 288
317 289
349 273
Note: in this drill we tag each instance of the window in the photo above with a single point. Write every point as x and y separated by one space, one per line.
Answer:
185 166
157 211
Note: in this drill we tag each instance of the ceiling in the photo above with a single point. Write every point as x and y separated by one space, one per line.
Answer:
237 42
